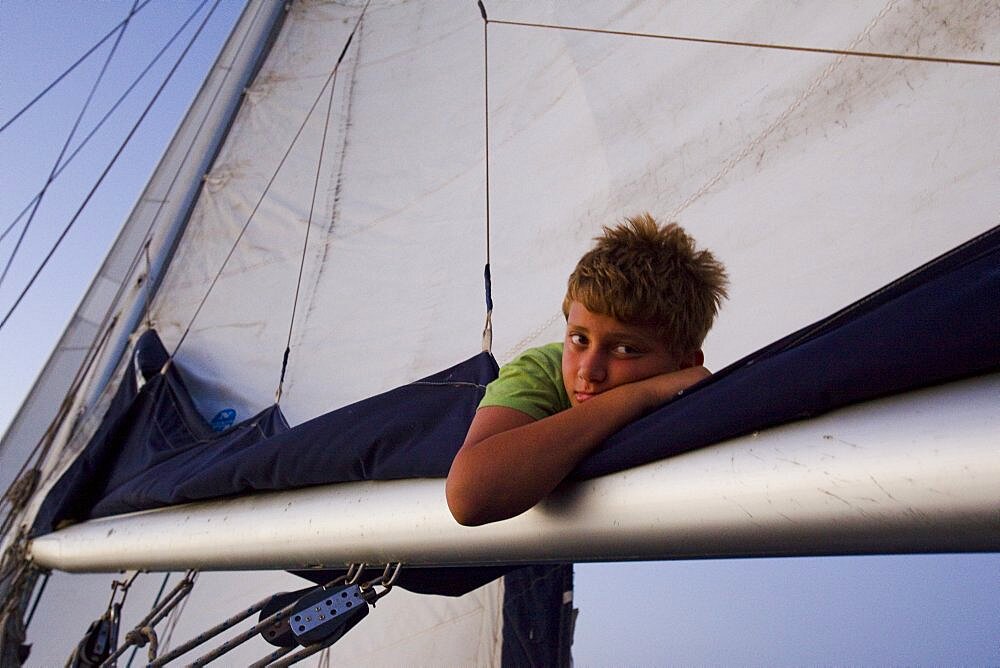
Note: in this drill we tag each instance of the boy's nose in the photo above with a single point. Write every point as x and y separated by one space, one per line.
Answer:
593 369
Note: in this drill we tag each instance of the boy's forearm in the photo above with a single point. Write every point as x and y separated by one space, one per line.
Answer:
505 473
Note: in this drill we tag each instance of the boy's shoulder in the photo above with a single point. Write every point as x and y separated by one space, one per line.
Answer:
532 383
546 356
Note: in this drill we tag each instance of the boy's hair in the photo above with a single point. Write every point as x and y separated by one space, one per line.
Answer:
644 274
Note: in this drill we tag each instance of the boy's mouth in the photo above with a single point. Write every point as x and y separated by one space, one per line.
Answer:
583 396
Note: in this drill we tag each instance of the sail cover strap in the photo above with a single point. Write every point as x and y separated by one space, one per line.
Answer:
936 324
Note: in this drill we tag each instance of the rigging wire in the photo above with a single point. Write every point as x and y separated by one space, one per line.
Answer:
104 118
108 320
305 242
267 188
69 139
107 169
755 45
72 67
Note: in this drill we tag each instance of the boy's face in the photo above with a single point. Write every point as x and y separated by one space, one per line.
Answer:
602 352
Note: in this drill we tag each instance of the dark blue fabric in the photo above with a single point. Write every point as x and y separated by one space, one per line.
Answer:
154 449
538 617
937 324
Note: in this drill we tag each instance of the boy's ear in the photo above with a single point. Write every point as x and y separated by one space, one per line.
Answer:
693 358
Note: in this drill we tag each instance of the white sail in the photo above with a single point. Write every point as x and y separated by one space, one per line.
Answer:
817 176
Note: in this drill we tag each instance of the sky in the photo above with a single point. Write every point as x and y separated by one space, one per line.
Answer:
913 610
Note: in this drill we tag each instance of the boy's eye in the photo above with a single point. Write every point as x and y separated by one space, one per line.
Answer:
624 349
578 339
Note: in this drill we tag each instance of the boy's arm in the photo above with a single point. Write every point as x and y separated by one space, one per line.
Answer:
510 461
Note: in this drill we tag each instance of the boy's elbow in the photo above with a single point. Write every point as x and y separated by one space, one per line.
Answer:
463 505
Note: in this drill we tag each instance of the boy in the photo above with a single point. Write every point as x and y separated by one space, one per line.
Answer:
638 306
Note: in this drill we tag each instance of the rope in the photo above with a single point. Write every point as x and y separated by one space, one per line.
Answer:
304 653
156 601
238 640
140 636
104 118
107 169
267 187
69 139
72 67
143 631
312 208
754 45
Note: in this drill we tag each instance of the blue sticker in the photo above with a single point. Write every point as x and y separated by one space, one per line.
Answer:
224 419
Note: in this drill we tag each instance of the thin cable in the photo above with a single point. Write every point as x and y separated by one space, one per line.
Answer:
267 187
147 287
305 242
108 321
69 139
755 45
73 66
107 115
38 599
487 278
107 169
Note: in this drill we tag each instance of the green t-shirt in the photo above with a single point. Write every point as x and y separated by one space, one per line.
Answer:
531 383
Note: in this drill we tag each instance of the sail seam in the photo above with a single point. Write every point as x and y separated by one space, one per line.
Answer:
309 221
267 188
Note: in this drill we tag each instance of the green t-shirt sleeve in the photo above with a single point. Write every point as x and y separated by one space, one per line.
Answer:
531 383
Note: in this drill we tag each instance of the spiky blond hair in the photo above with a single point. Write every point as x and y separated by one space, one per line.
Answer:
643 273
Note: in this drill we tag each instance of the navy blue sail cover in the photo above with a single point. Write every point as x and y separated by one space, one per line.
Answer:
939 323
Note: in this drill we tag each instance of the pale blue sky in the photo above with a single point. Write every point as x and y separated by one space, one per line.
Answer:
912 610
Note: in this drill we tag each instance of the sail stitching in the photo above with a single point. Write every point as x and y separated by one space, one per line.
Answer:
448 384
267 188
731 163
312 207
